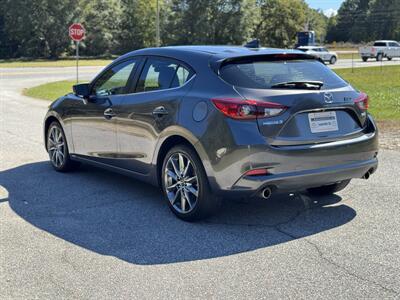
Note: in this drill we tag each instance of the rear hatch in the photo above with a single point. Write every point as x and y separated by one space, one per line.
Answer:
318 105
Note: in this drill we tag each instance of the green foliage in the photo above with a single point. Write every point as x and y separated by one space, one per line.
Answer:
102 19
280 20
138 29
384 18
345 19
209 22
39 28
366 20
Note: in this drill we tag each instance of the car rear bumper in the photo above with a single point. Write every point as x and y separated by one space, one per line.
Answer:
296 168
301 180
369 55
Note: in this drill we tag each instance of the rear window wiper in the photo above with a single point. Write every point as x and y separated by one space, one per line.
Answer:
310 85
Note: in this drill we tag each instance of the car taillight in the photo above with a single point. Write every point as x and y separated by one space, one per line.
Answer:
362 101
248 109
283 56
257 172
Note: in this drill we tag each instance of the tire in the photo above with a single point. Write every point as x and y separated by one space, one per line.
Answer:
329 189
56 145
389 58
364 59
189 196
379 57
333 60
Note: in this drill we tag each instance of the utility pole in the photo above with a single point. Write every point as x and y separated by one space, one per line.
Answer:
157 25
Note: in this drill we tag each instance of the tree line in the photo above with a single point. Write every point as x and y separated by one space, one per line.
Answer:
360 21
39 28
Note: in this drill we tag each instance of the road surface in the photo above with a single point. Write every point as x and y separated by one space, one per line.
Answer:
358 63
94 234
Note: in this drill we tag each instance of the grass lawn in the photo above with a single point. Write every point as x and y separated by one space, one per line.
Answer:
53 63
383 88
50 91
349 56
343 49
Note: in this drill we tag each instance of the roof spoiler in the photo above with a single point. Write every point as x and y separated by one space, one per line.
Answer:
253 44
216 65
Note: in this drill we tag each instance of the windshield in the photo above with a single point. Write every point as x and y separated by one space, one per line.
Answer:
266 74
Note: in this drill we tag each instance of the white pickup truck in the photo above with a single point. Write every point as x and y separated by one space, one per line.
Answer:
381 49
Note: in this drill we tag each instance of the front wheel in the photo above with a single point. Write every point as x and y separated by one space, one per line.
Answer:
389 58
328 189
364 59
58 149
185 185
333 60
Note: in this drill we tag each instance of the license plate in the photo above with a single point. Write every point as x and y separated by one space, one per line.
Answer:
323 121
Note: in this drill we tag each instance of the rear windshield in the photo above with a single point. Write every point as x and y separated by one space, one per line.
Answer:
265 74
380 44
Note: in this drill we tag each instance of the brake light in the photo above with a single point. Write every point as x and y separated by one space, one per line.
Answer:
287 56
362 101
257 172
248 109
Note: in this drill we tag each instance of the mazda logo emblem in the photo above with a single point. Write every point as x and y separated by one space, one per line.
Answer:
328 97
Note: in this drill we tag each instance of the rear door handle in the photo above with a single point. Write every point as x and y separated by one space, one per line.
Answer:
109 113
160 110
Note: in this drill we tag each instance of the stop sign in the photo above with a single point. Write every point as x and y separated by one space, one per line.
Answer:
76 32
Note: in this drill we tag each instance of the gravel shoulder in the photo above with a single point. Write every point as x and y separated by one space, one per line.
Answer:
389 135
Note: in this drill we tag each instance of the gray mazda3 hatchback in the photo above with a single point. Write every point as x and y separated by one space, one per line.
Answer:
204 122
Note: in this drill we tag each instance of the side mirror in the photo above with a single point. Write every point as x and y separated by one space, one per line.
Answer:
82 90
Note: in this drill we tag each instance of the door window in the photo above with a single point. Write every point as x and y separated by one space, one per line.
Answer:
114 81
379 44
183 75
264 74
160 74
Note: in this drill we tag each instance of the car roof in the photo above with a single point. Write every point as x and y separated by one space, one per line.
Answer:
385 41
310 47
211 49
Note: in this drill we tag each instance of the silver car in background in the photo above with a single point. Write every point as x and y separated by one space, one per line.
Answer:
321 53
380 50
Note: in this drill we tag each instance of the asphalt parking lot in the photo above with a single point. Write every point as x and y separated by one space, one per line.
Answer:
95 234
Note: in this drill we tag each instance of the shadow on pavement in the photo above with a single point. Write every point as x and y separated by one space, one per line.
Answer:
115 215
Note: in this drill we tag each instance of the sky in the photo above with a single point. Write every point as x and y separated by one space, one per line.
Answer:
328 6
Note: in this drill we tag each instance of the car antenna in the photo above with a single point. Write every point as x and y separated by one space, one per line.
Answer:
253 44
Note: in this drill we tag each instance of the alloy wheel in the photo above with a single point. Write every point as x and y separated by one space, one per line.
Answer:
56 146
181 183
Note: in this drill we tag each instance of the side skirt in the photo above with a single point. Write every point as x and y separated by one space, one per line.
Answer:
149 178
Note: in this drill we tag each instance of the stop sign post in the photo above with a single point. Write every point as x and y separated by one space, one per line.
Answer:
77 33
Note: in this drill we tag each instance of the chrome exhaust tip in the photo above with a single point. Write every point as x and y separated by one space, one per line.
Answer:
266 193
